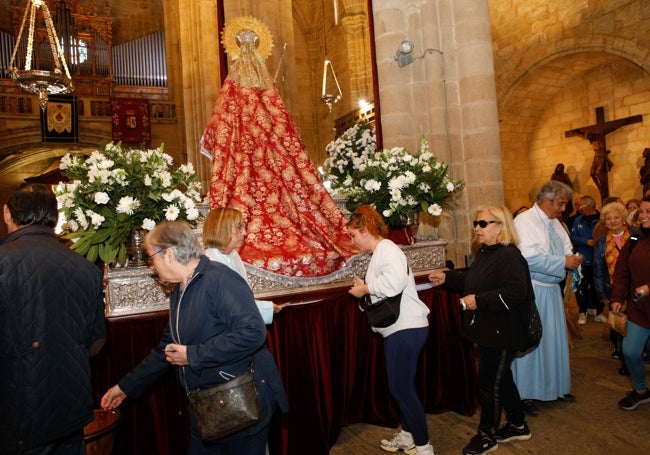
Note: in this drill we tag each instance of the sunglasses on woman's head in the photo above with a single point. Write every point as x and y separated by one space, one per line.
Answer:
483 223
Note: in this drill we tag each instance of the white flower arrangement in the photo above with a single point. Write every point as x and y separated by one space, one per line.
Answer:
395 182
348 153
113 192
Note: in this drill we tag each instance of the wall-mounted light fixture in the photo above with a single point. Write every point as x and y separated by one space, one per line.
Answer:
404 54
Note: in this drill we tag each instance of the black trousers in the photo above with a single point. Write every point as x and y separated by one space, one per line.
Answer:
497 390
586 295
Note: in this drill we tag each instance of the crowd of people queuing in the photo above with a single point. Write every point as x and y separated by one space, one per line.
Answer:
613 276
216 330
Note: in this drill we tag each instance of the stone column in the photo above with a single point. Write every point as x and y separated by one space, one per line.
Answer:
447 94
193 53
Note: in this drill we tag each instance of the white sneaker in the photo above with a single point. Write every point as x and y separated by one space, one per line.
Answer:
424 450
400 441
591 312
600 318
582 319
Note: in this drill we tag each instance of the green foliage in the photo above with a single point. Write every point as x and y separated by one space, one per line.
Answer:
115 191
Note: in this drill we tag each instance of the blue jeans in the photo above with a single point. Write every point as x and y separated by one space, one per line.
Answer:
403 350
633 343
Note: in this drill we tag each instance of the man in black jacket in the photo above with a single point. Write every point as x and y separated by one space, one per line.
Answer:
51 322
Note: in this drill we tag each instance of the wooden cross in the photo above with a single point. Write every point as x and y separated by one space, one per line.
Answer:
595 134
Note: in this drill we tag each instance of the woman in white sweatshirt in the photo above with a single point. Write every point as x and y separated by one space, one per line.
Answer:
388 274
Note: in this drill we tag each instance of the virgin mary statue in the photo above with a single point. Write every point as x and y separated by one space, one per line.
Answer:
260 167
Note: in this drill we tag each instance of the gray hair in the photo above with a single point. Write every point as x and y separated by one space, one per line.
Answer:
177 235
552 189
588 200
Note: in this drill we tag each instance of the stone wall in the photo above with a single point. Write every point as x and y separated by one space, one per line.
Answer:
622 89
555 62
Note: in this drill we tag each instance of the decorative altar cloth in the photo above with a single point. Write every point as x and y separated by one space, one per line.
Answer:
331 364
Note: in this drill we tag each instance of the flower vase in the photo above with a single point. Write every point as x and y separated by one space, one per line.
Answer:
405 233
136 248
412 222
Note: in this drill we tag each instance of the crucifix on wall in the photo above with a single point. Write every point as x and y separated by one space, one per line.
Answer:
595 134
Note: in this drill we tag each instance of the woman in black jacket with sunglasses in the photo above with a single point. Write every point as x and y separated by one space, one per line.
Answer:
497 297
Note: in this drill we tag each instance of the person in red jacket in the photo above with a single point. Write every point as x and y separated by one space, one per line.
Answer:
632 283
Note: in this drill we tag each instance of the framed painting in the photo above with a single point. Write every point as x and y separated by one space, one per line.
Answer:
130 121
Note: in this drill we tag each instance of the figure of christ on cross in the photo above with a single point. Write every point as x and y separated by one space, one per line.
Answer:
595 134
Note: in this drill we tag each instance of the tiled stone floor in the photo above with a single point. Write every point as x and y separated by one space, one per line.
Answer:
593 425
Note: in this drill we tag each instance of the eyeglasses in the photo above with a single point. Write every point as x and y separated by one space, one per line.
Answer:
150 257
238 226
483 223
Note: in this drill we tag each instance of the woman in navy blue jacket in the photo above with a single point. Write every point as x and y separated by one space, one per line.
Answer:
214 331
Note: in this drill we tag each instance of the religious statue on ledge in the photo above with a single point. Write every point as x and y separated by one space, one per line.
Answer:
645 171
560 175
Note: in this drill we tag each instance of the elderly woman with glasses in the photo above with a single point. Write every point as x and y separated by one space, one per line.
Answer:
497 298
214 332
631 283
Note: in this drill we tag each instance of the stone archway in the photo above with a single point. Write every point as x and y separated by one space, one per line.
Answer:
29 162
529 97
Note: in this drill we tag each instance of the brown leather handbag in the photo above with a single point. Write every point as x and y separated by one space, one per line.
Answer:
618 322
226 408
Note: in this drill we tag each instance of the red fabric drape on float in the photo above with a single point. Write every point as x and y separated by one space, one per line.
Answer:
261 168
331 364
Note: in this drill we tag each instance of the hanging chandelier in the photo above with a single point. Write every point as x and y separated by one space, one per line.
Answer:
328 95
38 81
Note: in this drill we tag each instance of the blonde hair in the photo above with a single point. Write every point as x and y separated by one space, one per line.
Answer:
508 234
613 207
218 227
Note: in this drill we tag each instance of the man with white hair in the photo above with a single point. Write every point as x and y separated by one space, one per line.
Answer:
544 373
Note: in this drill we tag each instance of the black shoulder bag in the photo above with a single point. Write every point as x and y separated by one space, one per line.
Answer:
534 329
383 312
